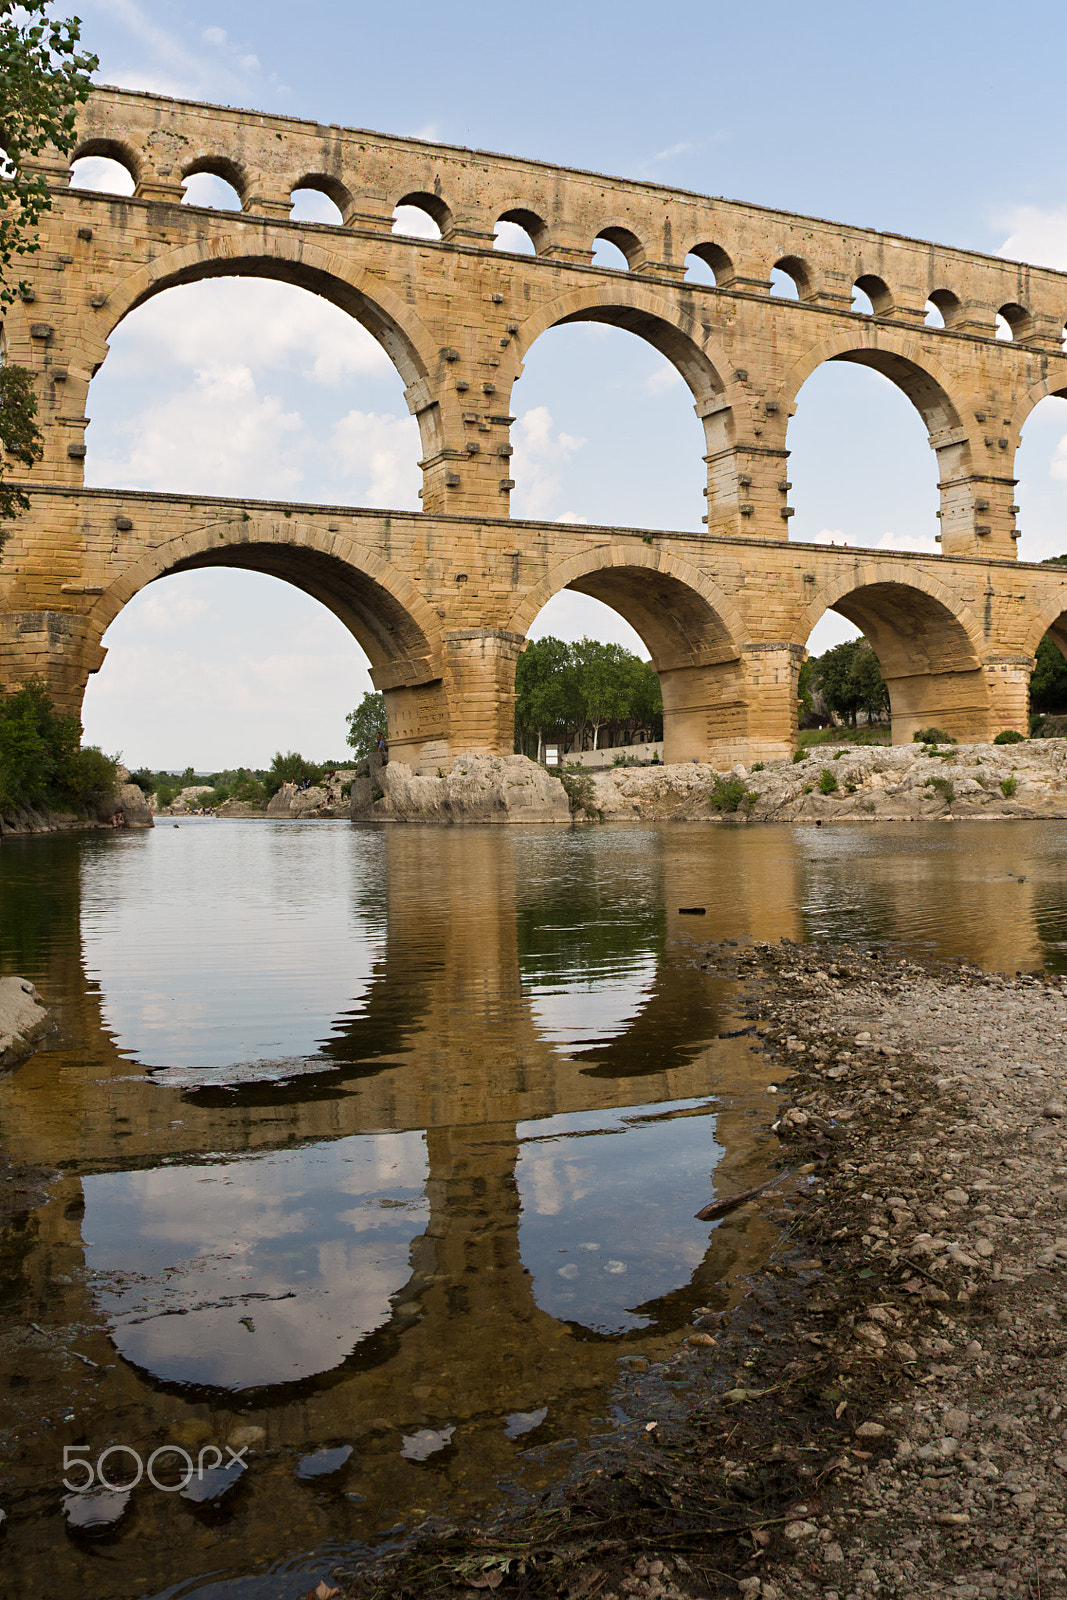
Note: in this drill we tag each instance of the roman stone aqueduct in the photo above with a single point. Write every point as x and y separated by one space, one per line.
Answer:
441 600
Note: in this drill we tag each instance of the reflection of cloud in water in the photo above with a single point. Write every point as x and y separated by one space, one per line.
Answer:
553 1184
260 1270
608 1201
276 925
592 1006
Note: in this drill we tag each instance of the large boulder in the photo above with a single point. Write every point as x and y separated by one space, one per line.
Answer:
280 804
128 803
24 1020
308 802
478 789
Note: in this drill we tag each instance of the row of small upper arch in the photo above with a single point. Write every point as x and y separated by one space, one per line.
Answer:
106 165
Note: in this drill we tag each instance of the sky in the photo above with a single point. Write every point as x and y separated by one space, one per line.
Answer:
935 123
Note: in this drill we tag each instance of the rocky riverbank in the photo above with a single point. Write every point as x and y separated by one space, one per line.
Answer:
127 802
898 783
886 1413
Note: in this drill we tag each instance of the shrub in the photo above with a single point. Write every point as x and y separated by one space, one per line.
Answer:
728 794
799 755
581 792
1008 786
757 766
944 786
932 736
1008 736
827 781
89 779
838 755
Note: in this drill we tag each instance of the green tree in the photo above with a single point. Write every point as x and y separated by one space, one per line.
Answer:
563 691
367 725
606 684
646 706
44 77
850 680
545 694
40 760
290 768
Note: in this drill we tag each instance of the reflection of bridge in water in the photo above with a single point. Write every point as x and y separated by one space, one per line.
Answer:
446 1040
452 1046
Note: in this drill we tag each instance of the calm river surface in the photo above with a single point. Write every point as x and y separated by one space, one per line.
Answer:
374 1150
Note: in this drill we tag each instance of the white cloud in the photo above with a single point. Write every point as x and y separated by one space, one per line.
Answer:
923 542
153 58
415 222
102 174
509 236
680 149
1037 234
383 451
216 437
237 320
664 379
1058 465
540 452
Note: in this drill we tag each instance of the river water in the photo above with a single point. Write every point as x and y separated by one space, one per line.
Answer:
373 1151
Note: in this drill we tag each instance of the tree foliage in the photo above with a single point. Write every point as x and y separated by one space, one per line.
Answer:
367 725
850 681
20 437
290 768
571 693
44 77
40 761
1048 681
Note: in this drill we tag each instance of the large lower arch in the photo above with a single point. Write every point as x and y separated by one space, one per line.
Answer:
927 644
692 631
380 608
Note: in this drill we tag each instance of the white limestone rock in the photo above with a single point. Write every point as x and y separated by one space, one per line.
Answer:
24 1020
477 789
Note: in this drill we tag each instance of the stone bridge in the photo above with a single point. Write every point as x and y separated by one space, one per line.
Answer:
442 600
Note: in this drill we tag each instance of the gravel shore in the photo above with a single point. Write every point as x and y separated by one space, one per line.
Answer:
935 1107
